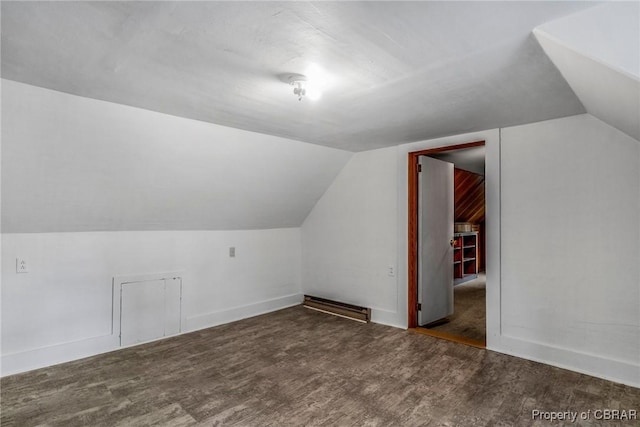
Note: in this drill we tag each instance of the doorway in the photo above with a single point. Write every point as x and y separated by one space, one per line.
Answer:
447 280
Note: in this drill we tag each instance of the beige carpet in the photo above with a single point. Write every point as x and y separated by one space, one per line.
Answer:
469 317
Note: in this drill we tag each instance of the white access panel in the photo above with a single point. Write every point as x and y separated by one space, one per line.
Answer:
172 313
146 308
142 312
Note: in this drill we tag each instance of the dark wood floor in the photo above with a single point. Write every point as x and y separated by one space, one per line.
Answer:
469 316
298 367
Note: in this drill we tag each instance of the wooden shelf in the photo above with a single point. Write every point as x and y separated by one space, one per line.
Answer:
465 265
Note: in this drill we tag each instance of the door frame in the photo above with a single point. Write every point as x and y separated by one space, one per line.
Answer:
412 238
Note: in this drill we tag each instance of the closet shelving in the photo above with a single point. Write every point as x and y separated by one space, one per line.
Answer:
465 257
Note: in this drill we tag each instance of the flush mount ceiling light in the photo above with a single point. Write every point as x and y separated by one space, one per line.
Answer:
301 86
298 81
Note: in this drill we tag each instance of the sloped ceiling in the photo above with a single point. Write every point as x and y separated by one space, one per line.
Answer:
77 164
393 72
598 53
469 159
468 197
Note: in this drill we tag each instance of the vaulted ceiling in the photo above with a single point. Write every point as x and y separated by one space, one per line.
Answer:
393 72
598 53
469 196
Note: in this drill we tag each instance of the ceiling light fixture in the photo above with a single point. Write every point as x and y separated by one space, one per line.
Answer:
302 87
298 81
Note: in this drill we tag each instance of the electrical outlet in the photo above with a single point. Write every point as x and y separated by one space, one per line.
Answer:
21 265
232 252
391 271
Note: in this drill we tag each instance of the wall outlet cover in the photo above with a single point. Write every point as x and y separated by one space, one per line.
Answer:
21 265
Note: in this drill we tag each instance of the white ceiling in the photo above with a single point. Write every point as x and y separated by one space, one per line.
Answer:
598 53
395 71
74 164
469 159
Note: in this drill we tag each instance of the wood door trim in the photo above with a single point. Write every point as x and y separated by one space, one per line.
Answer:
449 337
412 253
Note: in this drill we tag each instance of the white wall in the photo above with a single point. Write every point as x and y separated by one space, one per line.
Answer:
570 247
580 312
350 236
93 190
563 242
358 229
61 310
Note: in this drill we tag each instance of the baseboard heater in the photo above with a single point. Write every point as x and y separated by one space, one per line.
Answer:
349 311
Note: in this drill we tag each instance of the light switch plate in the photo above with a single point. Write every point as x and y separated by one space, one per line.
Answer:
232 252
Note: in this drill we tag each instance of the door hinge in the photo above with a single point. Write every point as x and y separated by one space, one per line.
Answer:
419 306
419 168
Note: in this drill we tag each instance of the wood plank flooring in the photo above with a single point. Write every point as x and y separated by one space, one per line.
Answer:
297 367
469 317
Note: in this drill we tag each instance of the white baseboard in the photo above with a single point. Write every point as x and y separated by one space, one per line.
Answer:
590 364
220 317
23 361
65 352
386 317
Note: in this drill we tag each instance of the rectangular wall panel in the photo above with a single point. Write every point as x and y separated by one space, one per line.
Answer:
172 306
142 311
147 308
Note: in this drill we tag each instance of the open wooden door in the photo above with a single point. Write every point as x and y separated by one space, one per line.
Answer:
435 234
